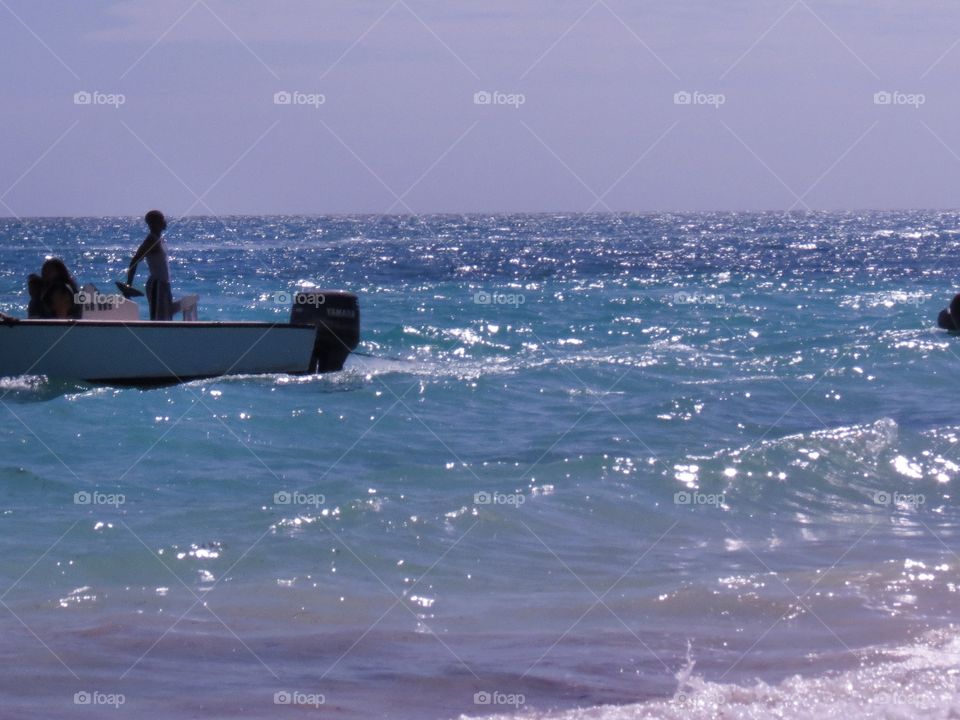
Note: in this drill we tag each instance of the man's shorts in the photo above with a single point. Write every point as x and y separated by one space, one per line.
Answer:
160 299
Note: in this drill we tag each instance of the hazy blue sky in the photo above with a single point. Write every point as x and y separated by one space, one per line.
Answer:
599 126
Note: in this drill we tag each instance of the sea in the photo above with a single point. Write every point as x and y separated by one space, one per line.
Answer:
604 466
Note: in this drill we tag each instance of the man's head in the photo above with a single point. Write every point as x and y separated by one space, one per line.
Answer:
155 221
949 319
955 310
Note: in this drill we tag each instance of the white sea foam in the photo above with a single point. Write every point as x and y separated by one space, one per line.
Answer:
921 680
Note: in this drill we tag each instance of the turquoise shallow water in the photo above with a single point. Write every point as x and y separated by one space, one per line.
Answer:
585 461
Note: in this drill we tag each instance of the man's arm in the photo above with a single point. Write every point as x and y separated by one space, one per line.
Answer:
145 247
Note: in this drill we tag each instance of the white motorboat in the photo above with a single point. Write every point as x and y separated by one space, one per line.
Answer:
108 346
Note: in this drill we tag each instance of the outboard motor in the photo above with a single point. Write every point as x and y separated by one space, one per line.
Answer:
336 315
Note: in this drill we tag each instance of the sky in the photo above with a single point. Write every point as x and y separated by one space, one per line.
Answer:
225 107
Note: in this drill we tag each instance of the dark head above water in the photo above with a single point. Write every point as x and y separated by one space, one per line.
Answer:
949 318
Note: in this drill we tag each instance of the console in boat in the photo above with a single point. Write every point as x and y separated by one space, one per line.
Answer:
111 345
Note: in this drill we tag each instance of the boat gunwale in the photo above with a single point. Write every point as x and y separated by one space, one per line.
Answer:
169 324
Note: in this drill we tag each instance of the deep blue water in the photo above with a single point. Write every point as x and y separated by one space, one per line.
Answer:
721 441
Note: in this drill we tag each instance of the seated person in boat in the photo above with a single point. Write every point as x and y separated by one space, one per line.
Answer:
154 250
59 301
35 287
54 273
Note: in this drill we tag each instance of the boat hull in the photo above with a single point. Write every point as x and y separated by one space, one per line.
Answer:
148 353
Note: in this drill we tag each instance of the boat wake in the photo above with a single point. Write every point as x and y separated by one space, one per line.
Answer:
37 388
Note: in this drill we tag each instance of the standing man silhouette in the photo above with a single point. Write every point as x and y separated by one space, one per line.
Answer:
154 251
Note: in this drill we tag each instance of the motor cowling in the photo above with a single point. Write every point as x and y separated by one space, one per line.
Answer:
336 315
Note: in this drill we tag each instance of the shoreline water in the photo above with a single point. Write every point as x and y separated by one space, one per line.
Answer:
734 431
